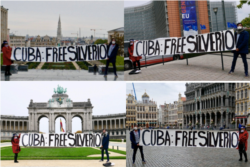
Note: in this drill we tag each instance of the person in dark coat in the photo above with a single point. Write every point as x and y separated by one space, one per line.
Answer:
112 50
6 49
105 144
135 138
133 58
241 40
242 146
15 146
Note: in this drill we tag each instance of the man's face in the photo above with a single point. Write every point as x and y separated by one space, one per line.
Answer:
239 26
103 130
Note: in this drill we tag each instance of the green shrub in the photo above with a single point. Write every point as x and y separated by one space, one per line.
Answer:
83 65
59 66
117 140
32 65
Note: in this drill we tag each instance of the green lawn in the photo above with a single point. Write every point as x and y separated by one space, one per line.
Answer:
83 65
59 66
55 153
32 65
119 63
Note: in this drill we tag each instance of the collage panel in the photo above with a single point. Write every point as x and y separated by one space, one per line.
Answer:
186 40
63 124
187 124
57 41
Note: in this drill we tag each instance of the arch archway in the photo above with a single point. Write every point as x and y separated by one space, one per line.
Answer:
43 124
77 123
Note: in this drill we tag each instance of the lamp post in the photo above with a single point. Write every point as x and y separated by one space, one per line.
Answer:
215 12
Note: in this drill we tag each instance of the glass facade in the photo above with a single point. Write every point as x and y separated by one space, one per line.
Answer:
230 14
148 21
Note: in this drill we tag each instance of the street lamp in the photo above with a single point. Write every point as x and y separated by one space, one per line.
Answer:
215 12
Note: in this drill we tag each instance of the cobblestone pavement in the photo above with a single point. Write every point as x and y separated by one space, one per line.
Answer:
60 75
186 157
202 68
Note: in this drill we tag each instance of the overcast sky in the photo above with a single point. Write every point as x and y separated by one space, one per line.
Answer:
41 18
159 92
106 97
242 13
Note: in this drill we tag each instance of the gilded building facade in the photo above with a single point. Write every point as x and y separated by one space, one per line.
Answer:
130 111
143 113
172 113
4 24
242 112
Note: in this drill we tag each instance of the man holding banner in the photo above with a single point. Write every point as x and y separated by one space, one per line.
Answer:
241 39
135 139
105 144
112 50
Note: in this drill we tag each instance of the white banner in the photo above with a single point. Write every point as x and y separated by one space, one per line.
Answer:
60 140
201 43
60 54
188 138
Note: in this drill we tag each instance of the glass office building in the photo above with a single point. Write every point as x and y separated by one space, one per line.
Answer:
230 13
147 21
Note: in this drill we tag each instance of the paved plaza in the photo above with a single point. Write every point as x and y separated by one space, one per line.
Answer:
60 75
201 68
59 163
186 157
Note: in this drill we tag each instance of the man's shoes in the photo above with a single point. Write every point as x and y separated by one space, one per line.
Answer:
105 76
246 75
116 76
101 161
133 164
240 159
231 72
246 160
107 162
9 73
16 162
144 162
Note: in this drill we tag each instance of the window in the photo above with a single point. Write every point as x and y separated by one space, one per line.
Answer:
245 107
241 94
238 108
238 95
245 93
242 107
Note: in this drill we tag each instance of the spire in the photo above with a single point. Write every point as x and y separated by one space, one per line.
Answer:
59 29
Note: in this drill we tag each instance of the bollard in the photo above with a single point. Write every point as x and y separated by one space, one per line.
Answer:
117 147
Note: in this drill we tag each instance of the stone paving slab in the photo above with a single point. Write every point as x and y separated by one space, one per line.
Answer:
201 68
60 75
186 157
59 163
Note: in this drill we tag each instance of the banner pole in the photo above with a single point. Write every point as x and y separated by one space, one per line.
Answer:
222 61
187 58
162 60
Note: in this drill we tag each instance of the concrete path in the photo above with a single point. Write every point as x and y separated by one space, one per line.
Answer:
202 68
76 65
59 163
60 75
40 65
5 144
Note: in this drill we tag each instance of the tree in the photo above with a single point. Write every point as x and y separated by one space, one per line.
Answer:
101 41
246 21
120 41
242 2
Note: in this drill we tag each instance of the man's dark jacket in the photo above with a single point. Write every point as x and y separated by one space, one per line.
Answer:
242 43
112 57
132 138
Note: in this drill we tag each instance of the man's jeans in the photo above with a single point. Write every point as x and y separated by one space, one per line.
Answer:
244 59
106 150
